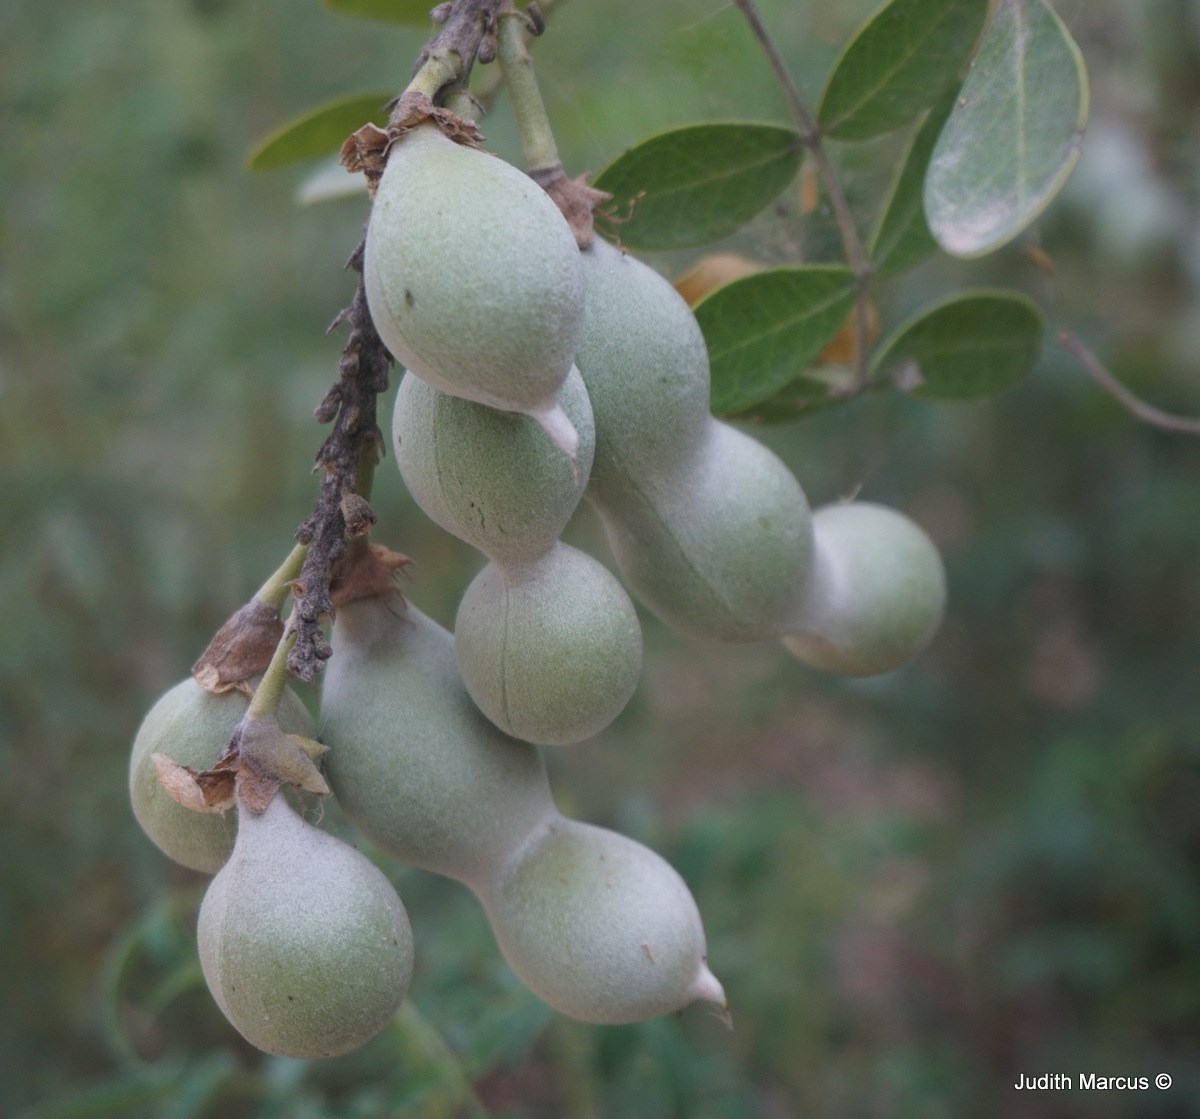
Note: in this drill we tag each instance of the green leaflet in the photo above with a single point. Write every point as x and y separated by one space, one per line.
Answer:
967 346
699 183
319 132
898 65
764 330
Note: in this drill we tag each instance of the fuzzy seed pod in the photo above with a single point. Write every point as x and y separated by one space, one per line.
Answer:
414 764
191 726
473 278
597 925
876 596
600 927
709 527
720 549
549 644
491 478
304 944
550 650
646 374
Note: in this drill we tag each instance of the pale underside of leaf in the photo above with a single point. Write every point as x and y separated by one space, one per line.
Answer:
1014 136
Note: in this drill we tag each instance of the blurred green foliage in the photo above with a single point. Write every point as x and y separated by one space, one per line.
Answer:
915 887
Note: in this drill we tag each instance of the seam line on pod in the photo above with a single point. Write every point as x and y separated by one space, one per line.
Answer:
666 531
504 648
505 866
437 454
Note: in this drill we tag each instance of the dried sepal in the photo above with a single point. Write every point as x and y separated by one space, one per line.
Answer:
266 753
258 760
575 198
365 572
240 649
327 410
210 792
367 149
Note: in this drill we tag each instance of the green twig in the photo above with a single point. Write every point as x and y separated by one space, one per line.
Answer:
269 693
1135 405
537 140
810 135
276 589
468 32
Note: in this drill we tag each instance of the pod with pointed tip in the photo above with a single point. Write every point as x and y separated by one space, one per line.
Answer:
304 944
709 527
551 649
412 761
425 776
473 278
191 726
490 478
600 927
549 644
876 596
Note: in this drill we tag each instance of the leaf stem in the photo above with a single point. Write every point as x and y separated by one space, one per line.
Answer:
269 693
276 589
810 135
537 140
1135 405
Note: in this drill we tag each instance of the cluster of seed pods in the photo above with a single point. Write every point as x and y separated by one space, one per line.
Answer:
538 375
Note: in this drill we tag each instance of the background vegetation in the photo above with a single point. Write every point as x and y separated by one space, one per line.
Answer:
915 887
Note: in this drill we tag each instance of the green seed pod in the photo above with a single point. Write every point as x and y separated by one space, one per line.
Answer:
414 764
721 548
491 478
550 650
709 528
191 726
597 925
474 279
644 361
600 927
876 595
549 644
304 944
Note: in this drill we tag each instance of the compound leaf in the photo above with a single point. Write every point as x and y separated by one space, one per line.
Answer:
1014 134
699 183
764 330
970 345
320 131
898 64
